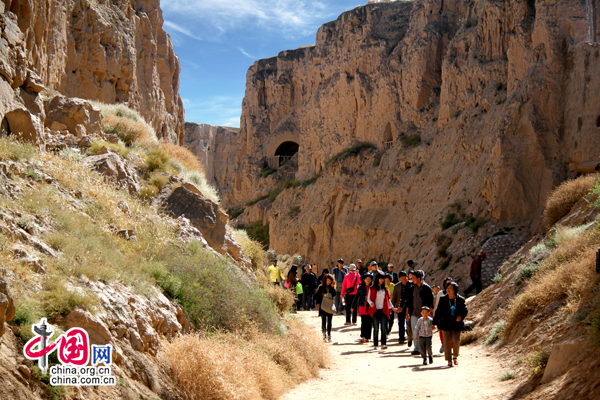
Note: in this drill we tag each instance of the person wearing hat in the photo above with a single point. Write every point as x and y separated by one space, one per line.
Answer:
361 268
275 274
309 286
475 274
349 289
402 297
392 274
374 268
339 273
364 309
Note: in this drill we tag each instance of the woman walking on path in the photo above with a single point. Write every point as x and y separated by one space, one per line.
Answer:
291 283
360 303
326 290
390 287
379 300
349 290
449 318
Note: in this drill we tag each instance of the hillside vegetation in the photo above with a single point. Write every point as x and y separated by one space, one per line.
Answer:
61 227
548 294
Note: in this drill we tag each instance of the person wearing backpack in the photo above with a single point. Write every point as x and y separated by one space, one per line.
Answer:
349 289
326 290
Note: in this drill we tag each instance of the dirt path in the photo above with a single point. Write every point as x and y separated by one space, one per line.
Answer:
359 372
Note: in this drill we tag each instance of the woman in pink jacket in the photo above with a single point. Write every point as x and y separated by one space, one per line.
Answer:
349 290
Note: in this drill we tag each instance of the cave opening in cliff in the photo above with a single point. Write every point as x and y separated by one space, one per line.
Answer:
285 151
4 128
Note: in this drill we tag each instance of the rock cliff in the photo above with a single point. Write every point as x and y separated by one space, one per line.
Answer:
114 52
479 105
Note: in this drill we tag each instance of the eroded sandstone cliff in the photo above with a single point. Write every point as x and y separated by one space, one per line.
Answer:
479 105
114 52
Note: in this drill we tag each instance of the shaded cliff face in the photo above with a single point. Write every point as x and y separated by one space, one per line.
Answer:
114 52
483 104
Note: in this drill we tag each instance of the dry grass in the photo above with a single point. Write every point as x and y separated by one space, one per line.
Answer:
182 155
249 365
564 197
281 297
567 275
127 130
471 336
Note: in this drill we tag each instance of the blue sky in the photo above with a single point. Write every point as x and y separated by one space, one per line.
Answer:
217 40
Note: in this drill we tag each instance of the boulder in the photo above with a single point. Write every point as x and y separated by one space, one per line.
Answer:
80 317
7 306
114 168
202 213
71 112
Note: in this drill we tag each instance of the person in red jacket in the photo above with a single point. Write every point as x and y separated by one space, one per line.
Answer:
379 301
475 274
349 289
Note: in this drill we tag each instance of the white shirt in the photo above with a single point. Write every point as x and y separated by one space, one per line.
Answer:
380 299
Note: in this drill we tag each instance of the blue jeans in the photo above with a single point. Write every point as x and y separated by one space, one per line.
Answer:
380 320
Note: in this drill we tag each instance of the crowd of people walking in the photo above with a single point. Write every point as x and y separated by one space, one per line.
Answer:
382 297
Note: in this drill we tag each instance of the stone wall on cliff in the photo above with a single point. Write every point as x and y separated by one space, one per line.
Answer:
114 52
478 103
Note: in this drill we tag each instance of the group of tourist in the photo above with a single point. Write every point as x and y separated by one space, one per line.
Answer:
379 297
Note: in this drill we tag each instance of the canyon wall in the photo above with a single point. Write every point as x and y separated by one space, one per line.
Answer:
114 52
476 108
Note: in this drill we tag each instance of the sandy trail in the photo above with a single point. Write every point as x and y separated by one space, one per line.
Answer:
359 372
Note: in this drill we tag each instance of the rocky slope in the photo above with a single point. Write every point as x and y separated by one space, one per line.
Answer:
485 106
114 52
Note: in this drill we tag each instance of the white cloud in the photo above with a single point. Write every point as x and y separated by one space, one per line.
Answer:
171 26
247 54
290 17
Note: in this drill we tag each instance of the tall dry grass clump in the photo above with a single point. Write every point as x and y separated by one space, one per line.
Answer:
567 275
182 155
245 365
564 197
127 130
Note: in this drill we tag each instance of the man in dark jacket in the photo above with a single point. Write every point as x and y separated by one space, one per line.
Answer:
339 273
402 299
422 296
475 274
390 268
309 286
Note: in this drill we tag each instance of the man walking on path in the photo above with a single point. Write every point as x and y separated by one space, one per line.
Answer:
361 269
349 289
309 286
392 274
475 274
402 301
339 272
422 297
275 274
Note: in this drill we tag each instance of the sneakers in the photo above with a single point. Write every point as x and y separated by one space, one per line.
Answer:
363 340
409 343
415 353
384 347
430 359
347 324
449 363
354 324
424 361
324 336
374 347
329 338
455 361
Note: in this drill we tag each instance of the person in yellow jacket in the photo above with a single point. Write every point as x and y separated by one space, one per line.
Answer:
275 274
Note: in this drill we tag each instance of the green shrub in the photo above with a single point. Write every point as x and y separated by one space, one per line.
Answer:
157 159
13 149
60 299
236 212
159 180
494 335
352 151
451 219
474 223
259 232
287 184
98 144
310 181
266 172
411 141
294 211
537 362
497 278
215 294
507 376
526 272
149 191
443 242
256 200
